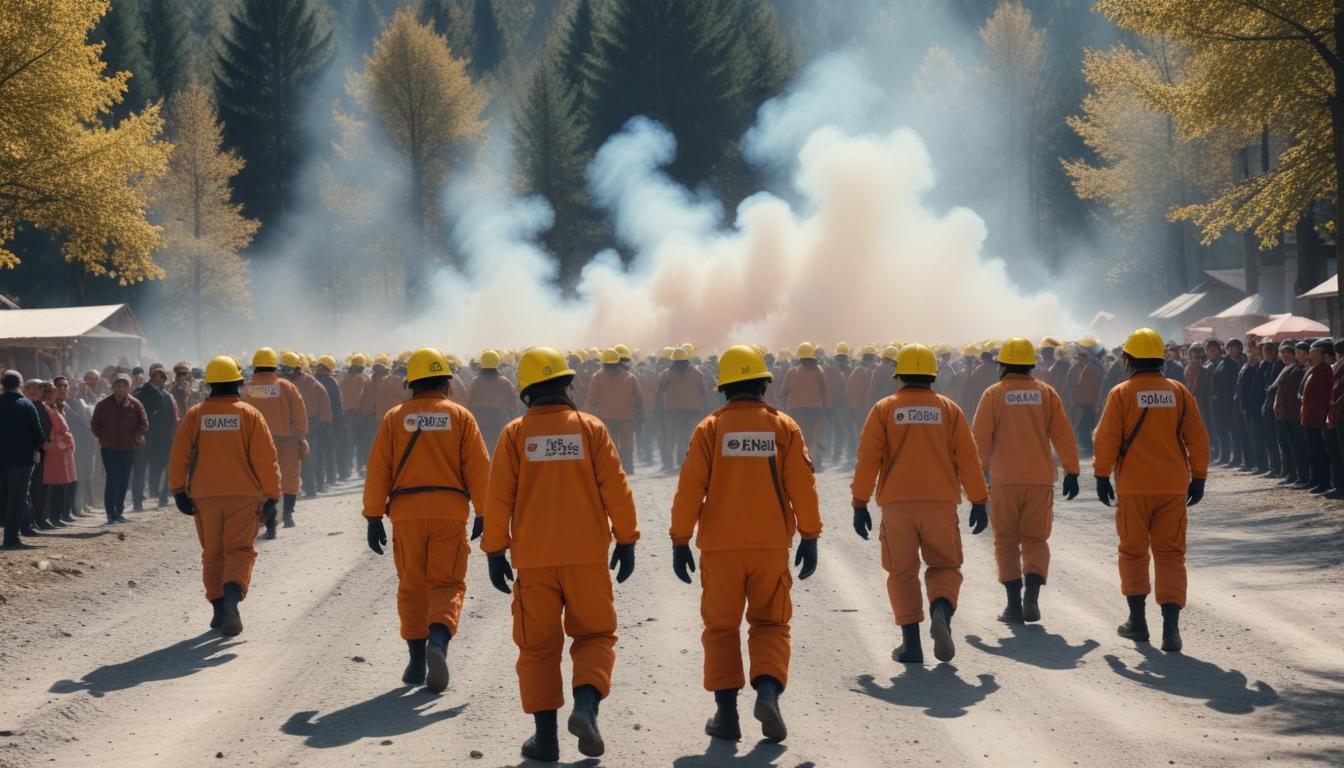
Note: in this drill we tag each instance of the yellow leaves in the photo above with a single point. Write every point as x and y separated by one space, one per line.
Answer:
1014 49
60 170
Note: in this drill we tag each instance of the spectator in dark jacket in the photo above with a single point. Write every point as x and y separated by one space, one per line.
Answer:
1249 400
37 491
1270 368
151 461
1222 393
19 449
1316 390
1287 419
120 424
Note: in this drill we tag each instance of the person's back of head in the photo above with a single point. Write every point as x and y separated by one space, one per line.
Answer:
11 381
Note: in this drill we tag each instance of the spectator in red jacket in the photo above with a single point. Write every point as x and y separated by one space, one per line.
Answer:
120 423
1316 390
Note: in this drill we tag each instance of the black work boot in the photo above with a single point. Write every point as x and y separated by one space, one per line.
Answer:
1136 628
415 668
436 658
583 721
768 690
543 745
724 724
218 605
1171 627
910 650
231 623
1031 600
1012 613
940 629
289 503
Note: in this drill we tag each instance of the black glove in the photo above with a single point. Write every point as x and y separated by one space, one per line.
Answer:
500 572
377 534
863 522
184 504
979 518
682 561
1194 493
1070 487
1104 490
477 527
806 556
268 512
625 555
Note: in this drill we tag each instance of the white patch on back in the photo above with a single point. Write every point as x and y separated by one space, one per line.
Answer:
758 444
918 414
553 448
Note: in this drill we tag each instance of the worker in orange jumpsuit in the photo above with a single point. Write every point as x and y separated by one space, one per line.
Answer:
843 433
287 417
491 398
318 403
748 485
391 390
1152 436
428 461
1016 422
883 382
368 406
860 380
557 495
916 447
680 404
1084 390
223 471
806 396
353 386
614 397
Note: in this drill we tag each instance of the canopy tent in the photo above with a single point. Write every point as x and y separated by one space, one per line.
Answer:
1282 327
42 342
1326 290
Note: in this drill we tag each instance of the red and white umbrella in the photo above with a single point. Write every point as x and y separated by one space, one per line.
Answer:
1283 327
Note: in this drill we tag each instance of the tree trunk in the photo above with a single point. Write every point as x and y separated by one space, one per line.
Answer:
1337 129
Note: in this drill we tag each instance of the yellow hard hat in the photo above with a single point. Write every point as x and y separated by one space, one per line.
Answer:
916 360
328 362
426 363
223 370
611 357
291 360
489 360
665 353
403 357
1050 341
868 349
1017 351
681 353
891 352
359 360
970 350
621 350
541 364
942 348
1087 342
383 360
806 351
842 349
264 358
689 347
1145 344
742 363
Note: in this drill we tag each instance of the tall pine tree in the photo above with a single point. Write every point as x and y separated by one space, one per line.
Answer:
271 52
166 32
575 46
487 41
123 36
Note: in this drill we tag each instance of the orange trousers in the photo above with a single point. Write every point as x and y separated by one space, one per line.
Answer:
1156 524
226 527
431 558
623 435
288 451
757 580
1022 516
549 603
915 529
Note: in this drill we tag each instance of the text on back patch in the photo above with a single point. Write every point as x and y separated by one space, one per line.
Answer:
1022 397
427 422
749 444
1157 398
224 422
554 448
918 414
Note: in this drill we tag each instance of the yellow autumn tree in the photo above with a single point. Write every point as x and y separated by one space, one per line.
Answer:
206 279
61 170
426 103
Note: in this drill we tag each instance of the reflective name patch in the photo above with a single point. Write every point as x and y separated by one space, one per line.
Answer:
749 444
224 422
263 390
1022 397
427 422
554 448
918 414
1157 398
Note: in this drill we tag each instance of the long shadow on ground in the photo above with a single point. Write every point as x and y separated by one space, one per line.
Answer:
939 691
395 713
764 754
1223 690
1032 644
178 660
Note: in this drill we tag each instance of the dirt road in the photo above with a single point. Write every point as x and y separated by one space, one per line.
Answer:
114 666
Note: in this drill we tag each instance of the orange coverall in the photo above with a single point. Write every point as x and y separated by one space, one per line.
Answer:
1169 448
681 402
807 398
493 401
614 396
882 384
287 417
917 449
557 496
224 459
748 484
1016 422
856 389
427 502
390 392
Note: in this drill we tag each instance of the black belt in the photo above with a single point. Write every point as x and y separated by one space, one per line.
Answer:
427 489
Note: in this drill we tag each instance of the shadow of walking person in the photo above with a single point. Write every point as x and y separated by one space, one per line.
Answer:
1032 644
178 660
724 753
1223 690
940 691
395 713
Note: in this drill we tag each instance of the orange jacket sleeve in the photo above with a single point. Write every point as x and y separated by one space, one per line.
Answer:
693 485
1195 437
1108 435
612 485
965 458
503 493
475 463
872 450
982 428
298 412
1061 435
179 460
800 485
264 458
378 474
